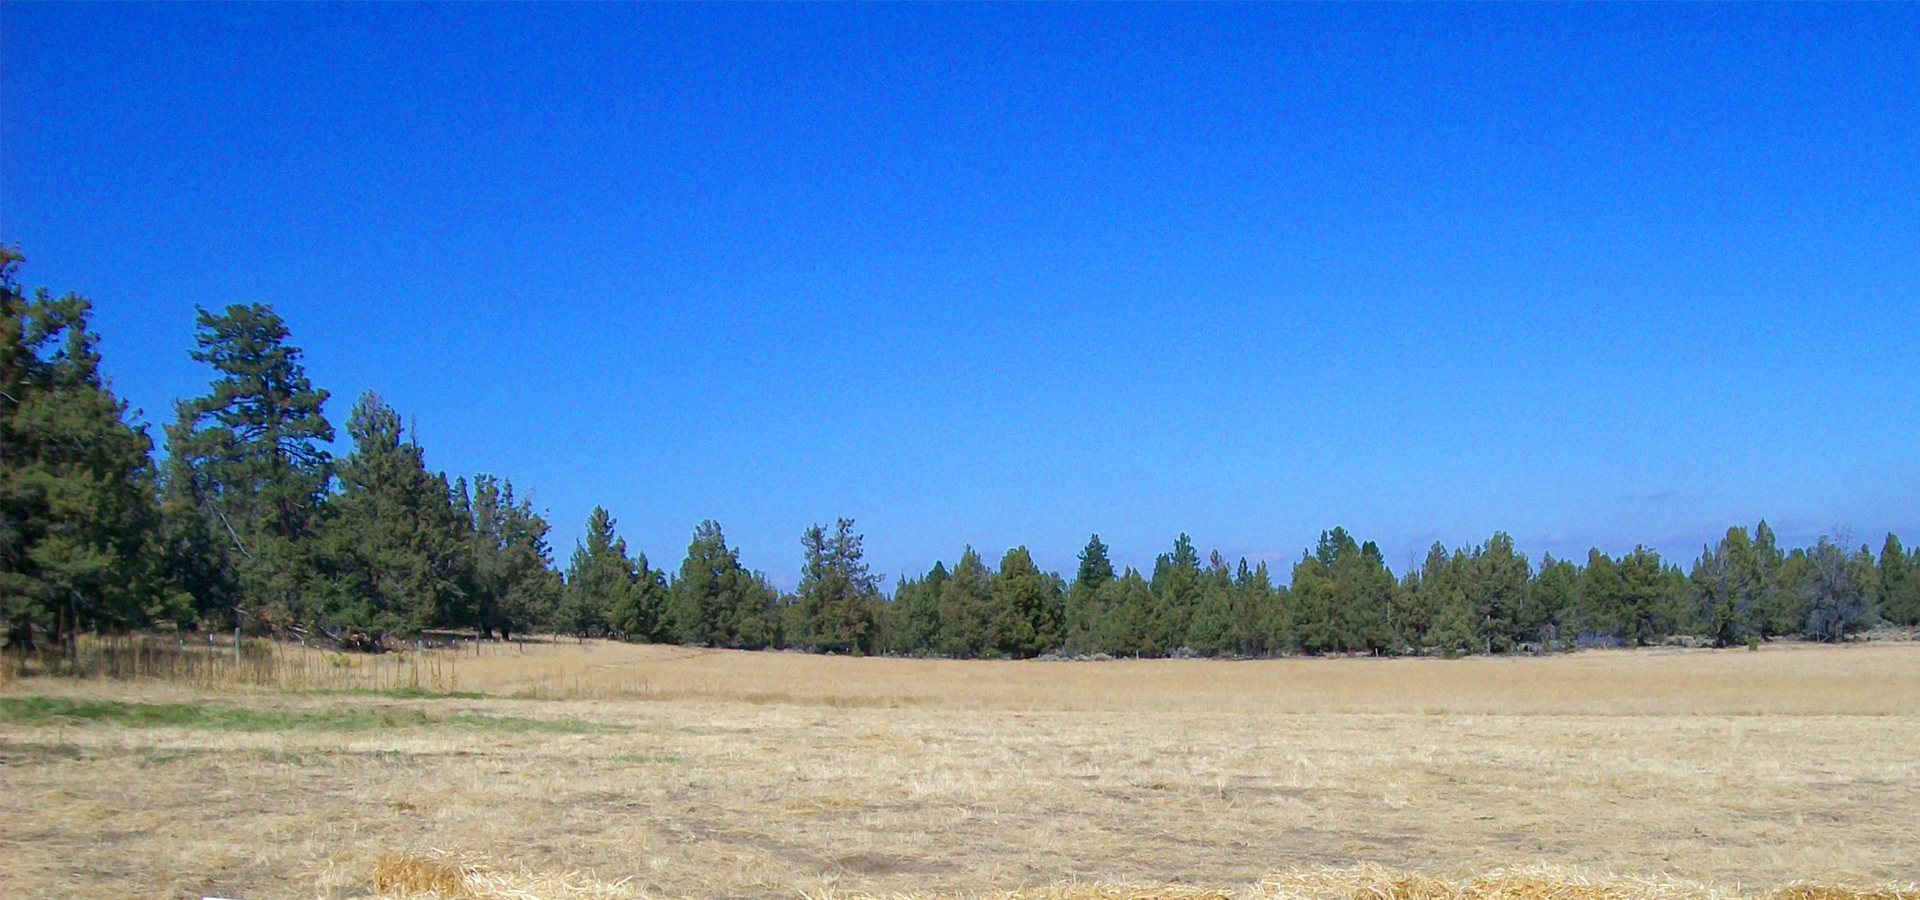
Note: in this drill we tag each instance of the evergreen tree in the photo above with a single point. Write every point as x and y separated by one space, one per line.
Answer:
966 607
1649 597
1727 590
603 590
1419 600
715 602
1128 630
77 513
1310 621
1453 631
1496 584
197 561
255 445
1363 600
1257 611
1899 583
1083 609
1025 608
697 601
398 552
1779 598
1211 631
516 586
639 613
754 616
1176 592
838 598
1547 612
915 620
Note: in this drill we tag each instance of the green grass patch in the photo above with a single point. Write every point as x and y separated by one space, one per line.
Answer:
405 693
644 759
217 717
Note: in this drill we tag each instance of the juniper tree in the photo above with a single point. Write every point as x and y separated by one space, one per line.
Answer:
1418 601
1310 613
1728 590
1837 602
639 613
1211 630
197 559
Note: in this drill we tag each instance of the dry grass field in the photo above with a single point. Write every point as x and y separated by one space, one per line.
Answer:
609 770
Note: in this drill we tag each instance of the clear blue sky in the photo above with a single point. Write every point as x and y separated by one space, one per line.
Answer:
1010 275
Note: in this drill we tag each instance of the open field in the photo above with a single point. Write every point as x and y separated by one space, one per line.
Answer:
676 772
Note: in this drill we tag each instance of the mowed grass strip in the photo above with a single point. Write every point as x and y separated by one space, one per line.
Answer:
44 711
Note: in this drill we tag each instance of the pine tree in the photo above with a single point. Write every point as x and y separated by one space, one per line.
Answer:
255 445
1779 596
965 607
1176 592
1083 609
1899 583
1211 631
1128 630
839 597
715 602
1025 608
1257 614
517 588
603 592
914 625
1547 614
1496 583
398 551
1310 614
77 511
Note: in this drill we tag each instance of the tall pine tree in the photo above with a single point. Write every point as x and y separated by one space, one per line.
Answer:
254 447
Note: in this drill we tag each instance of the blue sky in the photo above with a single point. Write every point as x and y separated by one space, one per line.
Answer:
1595 275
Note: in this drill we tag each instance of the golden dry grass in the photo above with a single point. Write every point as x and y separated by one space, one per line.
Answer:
723 774
476 878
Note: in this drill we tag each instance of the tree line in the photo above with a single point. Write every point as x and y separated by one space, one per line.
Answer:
250 522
